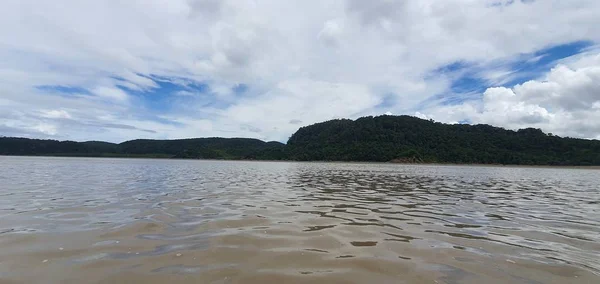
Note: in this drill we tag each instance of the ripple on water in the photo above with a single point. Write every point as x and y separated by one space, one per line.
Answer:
251 222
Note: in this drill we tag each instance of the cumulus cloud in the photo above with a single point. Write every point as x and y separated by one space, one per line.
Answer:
564 101
306 62
502 106
565 88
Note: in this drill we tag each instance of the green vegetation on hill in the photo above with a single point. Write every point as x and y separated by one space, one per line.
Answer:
383 138
410 139
207 148
199 148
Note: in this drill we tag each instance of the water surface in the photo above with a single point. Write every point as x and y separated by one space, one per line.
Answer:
75 220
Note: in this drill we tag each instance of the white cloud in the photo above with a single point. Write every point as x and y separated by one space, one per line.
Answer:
565 102
501 106
421 115
186 93
56 114
303 61
45 128
302 100
136 82
331 32
111 93
565 88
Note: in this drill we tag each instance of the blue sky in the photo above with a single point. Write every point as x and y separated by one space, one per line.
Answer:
468 80
203 68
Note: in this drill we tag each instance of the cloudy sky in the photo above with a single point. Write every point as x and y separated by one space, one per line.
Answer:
117 70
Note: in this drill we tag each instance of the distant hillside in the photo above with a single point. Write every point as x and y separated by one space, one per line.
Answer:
384 138
199 148
410 139
207 148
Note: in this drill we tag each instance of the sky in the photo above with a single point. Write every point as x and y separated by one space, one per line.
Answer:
165 69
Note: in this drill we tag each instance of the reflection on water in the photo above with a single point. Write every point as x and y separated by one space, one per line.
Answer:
68 220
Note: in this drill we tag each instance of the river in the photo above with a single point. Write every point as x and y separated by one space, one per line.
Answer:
95 220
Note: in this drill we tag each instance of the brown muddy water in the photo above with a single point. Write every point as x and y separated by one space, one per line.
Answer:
75 220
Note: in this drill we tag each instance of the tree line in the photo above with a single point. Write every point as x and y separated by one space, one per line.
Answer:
379 139
197 148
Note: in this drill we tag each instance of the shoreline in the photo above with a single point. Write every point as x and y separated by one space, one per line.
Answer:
327 162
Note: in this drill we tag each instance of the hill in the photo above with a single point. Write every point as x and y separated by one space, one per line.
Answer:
207 148
379 139
410 139
199 148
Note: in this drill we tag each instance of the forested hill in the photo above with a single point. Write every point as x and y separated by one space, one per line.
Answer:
410 139
199 148
383 138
